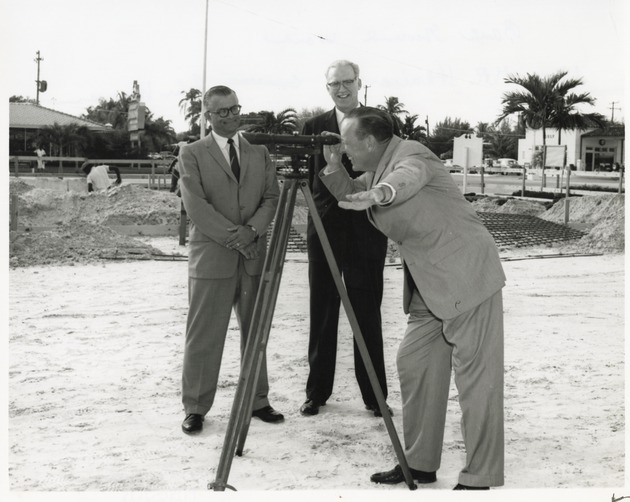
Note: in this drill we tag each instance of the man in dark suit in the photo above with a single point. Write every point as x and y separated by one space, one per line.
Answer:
359 251
230 191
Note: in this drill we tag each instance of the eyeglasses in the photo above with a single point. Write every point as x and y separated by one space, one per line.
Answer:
224 112
337 85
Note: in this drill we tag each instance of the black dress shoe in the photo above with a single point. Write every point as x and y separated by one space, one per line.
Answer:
396 476
193 423
268 414
311 407
459 486
377 410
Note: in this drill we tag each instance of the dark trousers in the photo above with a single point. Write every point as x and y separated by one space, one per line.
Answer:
359 251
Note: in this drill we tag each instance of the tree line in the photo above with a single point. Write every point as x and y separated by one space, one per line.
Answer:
538 102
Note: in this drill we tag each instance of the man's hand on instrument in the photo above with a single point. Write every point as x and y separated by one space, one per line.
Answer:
242 236
332 154
362 200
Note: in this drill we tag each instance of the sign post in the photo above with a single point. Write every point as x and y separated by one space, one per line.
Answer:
135 115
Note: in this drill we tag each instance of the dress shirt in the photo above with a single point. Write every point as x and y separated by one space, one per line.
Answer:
222 142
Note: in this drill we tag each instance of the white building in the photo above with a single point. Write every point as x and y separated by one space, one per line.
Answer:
589 150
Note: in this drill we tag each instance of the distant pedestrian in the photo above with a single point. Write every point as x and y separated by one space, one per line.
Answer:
40 152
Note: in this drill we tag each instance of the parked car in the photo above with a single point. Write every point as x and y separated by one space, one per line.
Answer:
506 162
510 166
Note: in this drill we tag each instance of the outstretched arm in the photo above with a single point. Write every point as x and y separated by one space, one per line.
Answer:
379 195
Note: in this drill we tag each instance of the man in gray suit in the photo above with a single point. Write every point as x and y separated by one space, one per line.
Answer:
230 191
452 293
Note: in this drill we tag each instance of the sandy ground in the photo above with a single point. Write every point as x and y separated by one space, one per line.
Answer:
95 351
94 380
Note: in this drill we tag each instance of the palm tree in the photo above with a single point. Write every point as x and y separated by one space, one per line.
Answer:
110 111
394 108
410 130
566 117
484 129
546 102
65 139
107 112
501 141
443 133
158 134
498 141
283 123
190 105
308 113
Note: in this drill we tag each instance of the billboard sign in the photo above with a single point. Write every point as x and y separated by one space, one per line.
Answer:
135 117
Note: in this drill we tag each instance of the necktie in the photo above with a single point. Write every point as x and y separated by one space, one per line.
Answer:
236 168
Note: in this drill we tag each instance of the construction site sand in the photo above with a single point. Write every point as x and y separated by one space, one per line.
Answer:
95 354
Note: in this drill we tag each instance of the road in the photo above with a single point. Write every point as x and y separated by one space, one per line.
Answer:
498 184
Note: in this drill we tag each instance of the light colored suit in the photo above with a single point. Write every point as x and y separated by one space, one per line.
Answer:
455 314
221 278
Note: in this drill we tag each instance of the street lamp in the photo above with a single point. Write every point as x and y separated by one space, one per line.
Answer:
202 118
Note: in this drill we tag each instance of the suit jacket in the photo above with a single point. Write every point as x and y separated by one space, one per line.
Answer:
371 242
324 200
449 253
215 201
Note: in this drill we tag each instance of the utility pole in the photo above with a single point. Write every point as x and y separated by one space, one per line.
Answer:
365 97
612 108
37 60
426 121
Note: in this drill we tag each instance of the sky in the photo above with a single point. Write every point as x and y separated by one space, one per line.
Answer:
446 58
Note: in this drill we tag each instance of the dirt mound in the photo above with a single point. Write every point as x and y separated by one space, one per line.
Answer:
602 216
131 205
72 227
78 242
509 206
589 209
19 187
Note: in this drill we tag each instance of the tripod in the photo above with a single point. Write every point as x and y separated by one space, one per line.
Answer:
240 416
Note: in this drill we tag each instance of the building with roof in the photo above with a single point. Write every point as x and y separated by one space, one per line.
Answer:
590 150
26 121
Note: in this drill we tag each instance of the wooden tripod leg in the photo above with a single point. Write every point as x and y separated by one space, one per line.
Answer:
240 415
358 336
268 305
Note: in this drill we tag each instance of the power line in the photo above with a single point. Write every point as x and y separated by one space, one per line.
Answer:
612 108
473 129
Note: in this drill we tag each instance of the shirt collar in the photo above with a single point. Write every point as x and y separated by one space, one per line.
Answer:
222 141
340 115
